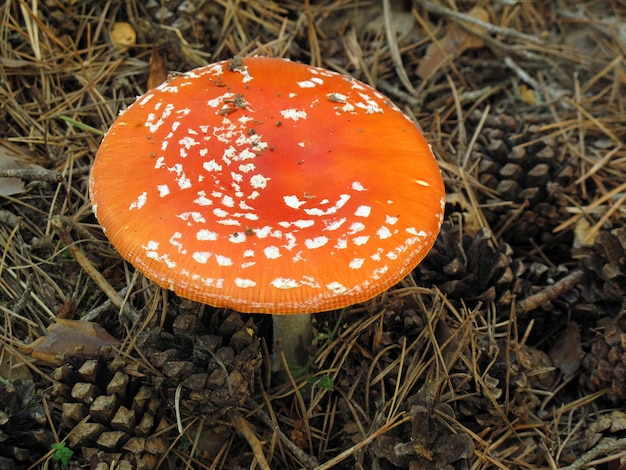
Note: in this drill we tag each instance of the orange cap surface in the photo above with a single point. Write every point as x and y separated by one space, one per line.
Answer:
265 185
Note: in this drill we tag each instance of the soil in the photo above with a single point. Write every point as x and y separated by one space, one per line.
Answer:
505 348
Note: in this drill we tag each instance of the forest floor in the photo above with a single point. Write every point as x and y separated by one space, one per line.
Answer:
505 348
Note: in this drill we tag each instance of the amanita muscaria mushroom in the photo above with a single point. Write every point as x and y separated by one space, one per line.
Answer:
268 186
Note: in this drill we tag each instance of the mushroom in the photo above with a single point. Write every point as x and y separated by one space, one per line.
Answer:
268 186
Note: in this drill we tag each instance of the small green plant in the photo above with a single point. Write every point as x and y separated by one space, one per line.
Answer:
323 381
62 454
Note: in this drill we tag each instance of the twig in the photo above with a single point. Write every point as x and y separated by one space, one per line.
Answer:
521 73
61 226
462 17
601 450
33 174
550 293
307 460
244 428
392 42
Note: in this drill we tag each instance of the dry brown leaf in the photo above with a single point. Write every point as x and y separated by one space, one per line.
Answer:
567 351
158 69
8 161
12 366
70 337
454 43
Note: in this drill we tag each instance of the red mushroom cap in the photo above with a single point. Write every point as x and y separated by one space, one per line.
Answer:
265 185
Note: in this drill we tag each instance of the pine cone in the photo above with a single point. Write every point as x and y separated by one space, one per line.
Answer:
24 433
196 21
526 170
604 366
470 268
426 442
112 416
523 368
605 265
215 364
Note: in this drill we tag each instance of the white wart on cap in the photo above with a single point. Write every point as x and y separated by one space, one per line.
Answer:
265 185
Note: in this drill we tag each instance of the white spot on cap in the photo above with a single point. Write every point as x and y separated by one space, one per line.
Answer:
212 166
383 233
164 190
230 222
206 235
293 201
201 256
334 224
152 245
414 231
237 237
202 200
248 254
360 241
244 283
271 252
197 217
337 288
363 211
422 183
259 181
356 263
153 123
291 241
358 186
285 283
263 232
139 202
370 106
174 240
356 227
310 281
337 97
304 223
391 220
183 182
380 272
221 213
244 206
187 142
343 199
223 260
293 113
317 242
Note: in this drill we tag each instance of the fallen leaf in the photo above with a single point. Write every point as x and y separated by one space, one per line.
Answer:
453 44
8 161
67 337
13 367
567 351
158 69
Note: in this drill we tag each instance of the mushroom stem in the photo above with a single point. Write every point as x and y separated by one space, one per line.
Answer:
292 336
